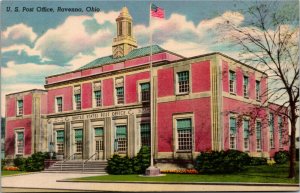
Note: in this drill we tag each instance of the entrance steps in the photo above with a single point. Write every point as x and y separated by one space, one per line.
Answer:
76 166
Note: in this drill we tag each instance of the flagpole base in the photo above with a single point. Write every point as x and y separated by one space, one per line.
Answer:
152 171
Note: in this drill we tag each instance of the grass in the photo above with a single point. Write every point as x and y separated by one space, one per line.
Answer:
8 173
254 174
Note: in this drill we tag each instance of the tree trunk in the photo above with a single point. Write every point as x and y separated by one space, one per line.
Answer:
292 172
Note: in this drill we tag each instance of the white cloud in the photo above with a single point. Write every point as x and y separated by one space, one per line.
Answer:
21 47
103 17
29 70
18 33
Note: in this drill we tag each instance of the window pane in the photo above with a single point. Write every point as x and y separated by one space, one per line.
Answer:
121 134
232 125
184 124
60 134
183 81
99 131
145 134
246 128
184 134
78 135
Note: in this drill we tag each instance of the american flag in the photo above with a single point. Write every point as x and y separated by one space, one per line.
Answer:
157 11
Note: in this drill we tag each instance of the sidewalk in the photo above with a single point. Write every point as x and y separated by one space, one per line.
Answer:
49 181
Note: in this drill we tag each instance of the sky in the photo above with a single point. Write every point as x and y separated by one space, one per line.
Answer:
39 44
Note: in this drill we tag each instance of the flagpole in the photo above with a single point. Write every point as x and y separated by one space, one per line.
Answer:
151 90
151 170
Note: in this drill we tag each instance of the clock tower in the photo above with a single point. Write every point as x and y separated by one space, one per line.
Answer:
124 42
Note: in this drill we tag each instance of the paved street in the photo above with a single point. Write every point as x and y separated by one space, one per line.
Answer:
49 181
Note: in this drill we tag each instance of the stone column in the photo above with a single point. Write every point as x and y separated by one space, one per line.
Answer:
67 139
86 142
108 136
131 136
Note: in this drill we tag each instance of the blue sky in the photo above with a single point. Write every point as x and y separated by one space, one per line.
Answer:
38 44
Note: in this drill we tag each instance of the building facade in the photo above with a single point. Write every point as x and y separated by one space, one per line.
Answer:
203 103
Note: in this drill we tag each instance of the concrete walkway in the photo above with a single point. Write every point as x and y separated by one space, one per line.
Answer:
49 181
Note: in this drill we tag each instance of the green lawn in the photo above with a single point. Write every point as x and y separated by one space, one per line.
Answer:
259 174
8 173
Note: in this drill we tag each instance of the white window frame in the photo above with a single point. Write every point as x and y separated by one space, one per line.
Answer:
62 104
235 135
18 109
233 91
175 132
115 91
248 139
280 130
245 87
94 96
271 134
148 122
258 91
116 138
19 130
261 141
74 99
56 143
177 82
140 91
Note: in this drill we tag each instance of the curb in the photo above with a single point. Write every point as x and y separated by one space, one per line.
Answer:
185 183
21 174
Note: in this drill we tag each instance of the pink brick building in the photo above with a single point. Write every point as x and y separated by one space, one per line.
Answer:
207 102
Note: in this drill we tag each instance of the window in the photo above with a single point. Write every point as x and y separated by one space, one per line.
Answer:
99 139
280 128
258 136
59 104
232 82
257 89
120 95
97 95
120 31
271 126
145 134
121 139
97 102
184 134
60 139
20 142
246 87
246 134
183 82
232 139
129 28
20 107
145 91
77 97
77 101
78 140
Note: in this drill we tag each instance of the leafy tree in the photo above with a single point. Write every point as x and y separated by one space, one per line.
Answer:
268 38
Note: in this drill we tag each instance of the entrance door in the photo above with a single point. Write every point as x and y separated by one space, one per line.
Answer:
99 143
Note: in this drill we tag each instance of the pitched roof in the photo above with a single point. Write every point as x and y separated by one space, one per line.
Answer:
139 52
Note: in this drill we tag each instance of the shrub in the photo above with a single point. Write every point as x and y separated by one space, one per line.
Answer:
36 161
20 162
281 157
142 161
126 165
221 161
3 163
119 165
256 161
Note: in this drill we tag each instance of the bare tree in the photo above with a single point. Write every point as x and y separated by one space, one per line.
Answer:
268 40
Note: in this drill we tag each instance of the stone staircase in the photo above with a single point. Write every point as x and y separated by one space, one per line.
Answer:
76 166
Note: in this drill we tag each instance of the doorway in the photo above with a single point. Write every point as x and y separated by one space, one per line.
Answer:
99 143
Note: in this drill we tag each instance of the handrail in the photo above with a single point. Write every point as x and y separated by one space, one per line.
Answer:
83 163
66 160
